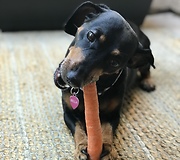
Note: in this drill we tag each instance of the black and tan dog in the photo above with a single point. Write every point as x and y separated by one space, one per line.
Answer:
109 50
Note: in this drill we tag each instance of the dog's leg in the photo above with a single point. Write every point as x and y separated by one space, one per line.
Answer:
78 131
146 82
80 139
75 122
108 152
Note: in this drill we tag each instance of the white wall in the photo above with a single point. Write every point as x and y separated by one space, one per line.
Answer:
160 5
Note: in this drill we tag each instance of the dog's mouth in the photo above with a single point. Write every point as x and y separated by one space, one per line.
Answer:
65 77
91 79
79 81
62 82
59 82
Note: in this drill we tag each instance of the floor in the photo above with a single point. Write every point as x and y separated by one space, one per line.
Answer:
31 117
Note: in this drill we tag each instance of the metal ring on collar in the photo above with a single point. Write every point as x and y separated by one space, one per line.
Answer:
74 90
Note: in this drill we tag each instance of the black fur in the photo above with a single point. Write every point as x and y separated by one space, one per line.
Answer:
106 49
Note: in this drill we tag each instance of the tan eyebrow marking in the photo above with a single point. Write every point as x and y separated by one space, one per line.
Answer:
116 52
102 38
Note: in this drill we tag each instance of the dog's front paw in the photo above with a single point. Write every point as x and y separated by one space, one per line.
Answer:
108 152
81 153
147 85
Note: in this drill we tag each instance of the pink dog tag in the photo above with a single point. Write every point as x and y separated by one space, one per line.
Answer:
74 101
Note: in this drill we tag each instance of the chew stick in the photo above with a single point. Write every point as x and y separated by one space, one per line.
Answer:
93 124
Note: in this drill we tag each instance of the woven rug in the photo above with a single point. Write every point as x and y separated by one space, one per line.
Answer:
31 117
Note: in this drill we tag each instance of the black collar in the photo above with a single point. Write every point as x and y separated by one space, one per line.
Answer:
75 90
107 88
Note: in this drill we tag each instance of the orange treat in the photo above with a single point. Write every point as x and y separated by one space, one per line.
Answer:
93 124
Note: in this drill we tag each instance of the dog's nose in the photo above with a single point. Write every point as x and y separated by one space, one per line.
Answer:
73 79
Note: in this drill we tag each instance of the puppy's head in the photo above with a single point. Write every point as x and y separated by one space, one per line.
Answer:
104 44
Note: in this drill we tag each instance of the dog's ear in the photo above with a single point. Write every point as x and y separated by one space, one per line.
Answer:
79 15
141 57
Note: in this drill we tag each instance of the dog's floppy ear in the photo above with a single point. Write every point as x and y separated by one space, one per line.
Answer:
141 57
79 15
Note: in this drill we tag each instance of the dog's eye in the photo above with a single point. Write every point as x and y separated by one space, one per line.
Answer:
114 63
91 36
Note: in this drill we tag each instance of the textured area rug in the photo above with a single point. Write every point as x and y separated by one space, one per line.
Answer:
31 117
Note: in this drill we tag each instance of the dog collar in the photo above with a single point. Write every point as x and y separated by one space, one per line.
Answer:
75 90
106 89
